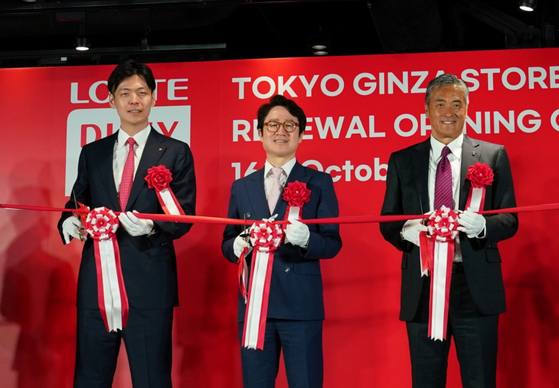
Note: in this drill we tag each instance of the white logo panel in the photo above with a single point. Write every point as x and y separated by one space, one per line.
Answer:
87 125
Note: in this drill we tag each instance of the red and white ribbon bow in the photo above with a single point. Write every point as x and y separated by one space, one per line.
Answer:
437 255
102 224
265 237
158 178
480 176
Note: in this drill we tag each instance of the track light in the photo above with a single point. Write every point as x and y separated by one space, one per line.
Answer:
82 43
528 5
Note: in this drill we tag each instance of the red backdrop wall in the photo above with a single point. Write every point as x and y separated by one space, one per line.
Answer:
360 109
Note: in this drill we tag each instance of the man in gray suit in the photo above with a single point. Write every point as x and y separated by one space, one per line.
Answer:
476 290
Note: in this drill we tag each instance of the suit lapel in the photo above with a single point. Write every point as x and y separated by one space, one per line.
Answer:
106 172
155 148
420 167
256 194
471 153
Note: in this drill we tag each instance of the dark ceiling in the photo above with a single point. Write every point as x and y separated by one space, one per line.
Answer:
43 32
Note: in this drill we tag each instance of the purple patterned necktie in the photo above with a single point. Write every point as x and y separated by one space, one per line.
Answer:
443 182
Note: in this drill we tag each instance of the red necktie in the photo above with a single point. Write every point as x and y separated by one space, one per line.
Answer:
127 175
275 190
443 182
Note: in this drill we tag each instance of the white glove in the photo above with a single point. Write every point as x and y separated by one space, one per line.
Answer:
411 229
135 226
473 224
297 233
241 243
72 227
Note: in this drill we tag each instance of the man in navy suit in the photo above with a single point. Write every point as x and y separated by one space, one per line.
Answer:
295 306
476 291
147 254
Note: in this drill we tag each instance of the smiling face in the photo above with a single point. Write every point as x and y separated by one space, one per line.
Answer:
132 100
280 146
447 110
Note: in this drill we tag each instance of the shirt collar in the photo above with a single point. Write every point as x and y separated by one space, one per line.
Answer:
455 147
287 167
141 137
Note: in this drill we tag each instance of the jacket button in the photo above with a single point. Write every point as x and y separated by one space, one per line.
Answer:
287 269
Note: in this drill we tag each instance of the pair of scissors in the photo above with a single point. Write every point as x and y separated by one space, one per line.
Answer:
80 209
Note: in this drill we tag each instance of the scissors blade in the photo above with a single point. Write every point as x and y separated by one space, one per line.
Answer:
246 233
81 228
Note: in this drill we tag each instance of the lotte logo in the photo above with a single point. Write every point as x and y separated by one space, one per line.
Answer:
87 125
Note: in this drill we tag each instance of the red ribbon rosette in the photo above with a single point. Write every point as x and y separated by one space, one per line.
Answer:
102 224
443 224
158 178
266 238
437 254
296 194
480 176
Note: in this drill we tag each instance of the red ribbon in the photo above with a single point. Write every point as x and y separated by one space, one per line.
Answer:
334 220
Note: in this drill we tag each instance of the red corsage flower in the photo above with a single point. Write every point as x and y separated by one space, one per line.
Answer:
101 223
266 236
480 175
158 178
296 194
443 224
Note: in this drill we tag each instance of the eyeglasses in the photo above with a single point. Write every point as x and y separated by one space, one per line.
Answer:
274 126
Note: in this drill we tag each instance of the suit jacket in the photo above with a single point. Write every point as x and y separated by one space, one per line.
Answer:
296 282
148 263
407 193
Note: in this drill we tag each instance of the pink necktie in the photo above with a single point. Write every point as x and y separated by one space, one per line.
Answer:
443 182
275 190
127 175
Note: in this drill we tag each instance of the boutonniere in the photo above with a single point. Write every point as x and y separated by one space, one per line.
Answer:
480 176
296 194
158 178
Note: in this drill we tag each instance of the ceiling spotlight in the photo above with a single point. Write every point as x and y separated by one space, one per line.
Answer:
319 47
321 52
528 5
82 43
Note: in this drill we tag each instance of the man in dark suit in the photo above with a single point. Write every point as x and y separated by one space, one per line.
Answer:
147 254
476 290
295 306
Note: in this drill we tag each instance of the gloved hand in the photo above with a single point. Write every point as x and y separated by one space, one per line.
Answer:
241 242
411 229
133 225
72 227
297 233
473 224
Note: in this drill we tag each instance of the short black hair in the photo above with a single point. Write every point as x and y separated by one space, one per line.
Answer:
445 80
128 69
290 105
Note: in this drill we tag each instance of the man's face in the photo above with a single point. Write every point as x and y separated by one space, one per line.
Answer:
280 144
447 111
133 101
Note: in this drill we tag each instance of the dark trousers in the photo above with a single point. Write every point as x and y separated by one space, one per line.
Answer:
147 337
474 335
301 343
